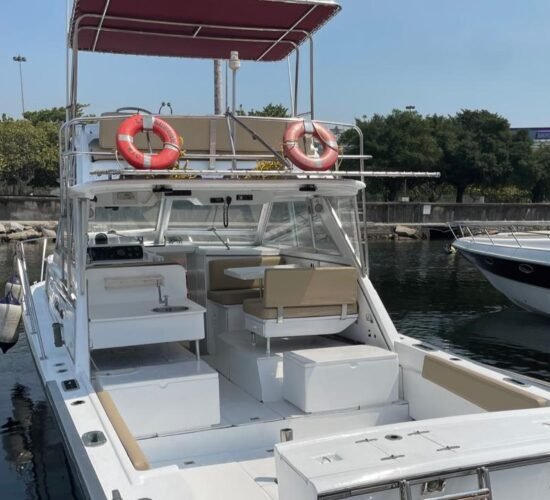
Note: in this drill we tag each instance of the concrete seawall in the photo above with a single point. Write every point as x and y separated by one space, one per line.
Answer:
46 208
425 213
29 208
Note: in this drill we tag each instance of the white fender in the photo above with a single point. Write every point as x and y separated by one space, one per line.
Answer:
10 315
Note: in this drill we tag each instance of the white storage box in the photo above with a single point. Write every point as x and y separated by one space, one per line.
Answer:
334 378
158 399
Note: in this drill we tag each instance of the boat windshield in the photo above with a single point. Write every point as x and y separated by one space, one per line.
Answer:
312 225
205 224
304 226
135 220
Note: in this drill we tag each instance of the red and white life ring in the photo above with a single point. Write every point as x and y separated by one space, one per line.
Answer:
130 127
296 131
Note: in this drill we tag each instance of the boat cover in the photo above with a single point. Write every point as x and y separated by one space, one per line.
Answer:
266 30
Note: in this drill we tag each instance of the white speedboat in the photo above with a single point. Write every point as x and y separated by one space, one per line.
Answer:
517 264
207 329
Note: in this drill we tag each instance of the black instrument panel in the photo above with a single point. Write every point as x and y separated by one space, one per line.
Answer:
116 252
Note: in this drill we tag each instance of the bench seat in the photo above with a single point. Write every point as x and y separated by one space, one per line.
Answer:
256 308
233 297
303 301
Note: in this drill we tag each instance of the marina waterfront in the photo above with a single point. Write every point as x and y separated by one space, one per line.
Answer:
431 295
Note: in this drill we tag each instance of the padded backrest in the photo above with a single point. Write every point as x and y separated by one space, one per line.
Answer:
320 286
197 132
219 281
480 389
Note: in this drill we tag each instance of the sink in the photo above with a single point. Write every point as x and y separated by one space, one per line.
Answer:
170 309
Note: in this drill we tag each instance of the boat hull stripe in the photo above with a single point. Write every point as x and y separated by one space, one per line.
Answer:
522 272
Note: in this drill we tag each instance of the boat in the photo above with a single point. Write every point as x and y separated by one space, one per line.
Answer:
206 328
517 264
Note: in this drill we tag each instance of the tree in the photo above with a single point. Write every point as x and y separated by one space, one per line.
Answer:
53 115
28 154
400 141
534 173
274 110
477 150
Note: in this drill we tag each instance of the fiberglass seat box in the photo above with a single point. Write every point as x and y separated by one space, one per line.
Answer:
334 378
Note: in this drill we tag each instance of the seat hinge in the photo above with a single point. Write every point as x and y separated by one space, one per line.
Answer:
344 313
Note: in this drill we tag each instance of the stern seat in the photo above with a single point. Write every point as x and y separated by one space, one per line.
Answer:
300 302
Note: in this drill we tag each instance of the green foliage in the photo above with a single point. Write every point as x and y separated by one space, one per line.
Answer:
28 154
275 110
402 140
471 148
535 173
480 152
502 194
53 115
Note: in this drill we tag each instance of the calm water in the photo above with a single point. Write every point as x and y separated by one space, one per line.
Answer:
430 295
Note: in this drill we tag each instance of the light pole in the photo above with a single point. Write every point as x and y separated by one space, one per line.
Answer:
410 108
20 59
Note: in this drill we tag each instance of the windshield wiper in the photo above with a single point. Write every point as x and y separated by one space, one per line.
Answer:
213 229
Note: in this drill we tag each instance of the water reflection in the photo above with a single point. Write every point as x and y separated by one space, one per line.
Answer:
442 299
33 463
33 450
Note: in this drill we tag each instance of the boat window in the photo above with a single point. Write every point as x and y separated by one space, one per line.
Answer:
346 211
135 221
196 223
296 224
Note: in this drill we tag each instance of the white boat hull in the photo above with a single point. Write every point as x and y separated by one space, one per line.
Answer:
531 298
518 268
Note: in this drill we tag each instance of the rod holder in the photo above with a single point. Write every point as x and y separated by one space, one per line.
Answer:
286 434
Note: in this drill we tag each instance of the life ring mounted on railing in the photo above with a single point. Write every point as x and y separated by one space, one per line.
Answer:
135 124
295 131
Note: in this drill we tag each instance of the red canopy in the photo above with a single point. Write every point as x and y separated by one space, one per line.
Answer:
266 30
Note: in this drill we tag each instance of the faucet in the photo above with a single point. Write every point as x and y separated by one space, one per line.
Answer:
163 300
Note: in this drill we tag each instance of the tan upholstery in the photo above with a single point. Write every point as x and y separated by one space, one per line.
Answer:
308 292
135 454
320 286
479 389
219 281
233 297
256 308
196 133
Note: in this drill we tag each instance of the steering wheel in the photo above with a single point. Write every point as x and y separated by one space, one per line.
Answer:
133 108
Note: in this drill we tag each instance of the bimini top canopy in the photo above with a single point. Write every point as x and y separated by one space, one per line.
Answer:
263 30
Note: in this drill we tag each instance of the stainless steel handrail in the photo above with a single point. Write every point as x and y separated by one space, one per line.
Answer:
486 237
260 173
28 300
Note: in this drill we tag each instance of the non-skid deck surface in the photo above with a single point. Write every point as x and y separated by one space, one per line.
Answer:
239 408
251 427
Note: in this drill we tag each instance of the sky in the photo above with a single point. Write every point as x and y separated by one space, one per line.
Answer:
440 56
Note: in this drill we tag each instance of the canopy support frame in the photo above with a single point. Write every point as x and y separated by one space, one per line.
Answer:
78 27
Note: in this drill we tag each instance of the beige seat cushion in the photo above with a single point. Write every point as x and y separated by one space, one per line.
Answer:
197 130
479 389
256 308
233 297
220 281
320 286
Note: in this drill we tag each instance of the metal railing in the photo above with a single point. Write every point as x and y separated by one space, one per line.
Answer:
479 230
69 152
28 301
